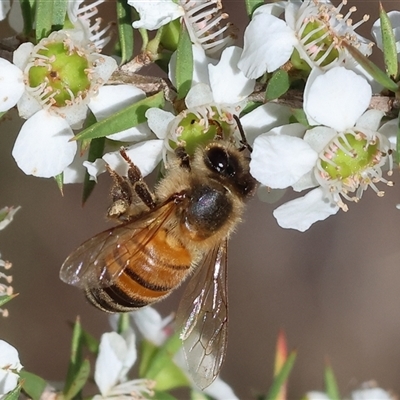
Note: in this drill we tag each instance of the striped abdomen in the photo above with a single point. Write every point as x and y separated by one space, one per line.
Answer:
150 272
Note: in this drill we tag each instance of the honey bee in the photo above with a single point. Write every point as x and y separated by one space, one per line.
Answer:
178 231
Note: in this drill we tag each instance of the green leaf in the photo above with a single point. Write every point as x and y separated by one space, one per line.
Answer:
75 360
90 342
184 63
371 68
124 119
28 12
59 13
32 384
389 44
331 387
2 113
123 322
6 298
299 116
125 30
96 149
79 380
60 182
157 363
13 395
163 396
249 107
281 378
44 18
252 5
278 85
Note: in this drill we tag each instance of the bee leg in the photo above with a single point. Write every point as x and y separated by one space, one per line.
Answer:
180 152
121 194
137 183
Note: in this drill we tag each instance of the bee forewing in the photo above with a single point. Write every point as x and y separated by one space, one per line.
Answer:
203 315
101 260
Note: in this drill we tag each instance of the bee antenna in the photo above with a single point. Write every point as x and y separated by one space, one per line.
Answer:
245 144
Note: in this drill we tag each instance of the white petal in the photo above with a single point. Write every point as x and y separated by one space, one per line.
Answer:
337 98
199 95
301 213
4 9
74 114
15 17
105 66
42 147
95 168
278 161
9 356
319 137
316 396
268 44
158 121
130 354
28 105
369 394
75 172
21 55
151 325
263 119
8 381
145 155
229 84
113 98
11 85
153 16
307 181
220 390
390 129
109 362
370 120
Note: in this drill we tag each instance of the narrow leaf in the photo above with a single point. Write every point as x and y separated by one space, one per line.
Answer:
79 380
90 342
125 30
60 182
299 116
28 13
184 63
32 384
13 395
6 298
371 68
252 5
331 387
75 360
389 44
59 12
280 358
278 85
124 119
281 378
44 18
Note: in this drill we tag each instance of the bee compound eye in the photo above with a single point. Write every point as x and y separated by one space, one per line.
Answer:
219 160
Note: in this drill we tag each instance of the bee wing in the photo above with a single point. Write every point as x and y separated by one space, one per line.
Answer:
203 314
101 259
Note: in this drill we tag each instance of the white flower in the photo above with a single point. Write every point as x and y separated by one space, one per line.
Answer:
394 17
315 29
153 16
82 17
9 367
345 156
4 9
43 147
117 354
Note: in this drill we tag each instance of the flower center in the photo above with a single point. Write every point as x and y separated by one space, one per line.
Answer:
199 126
351 162
321 29
62 72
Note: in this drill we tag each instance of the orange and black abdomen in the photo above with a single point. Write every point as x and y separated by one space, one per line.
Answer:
150 272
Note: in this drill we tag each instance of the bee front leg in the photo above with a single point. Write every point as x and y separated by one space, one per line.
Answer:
128 189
